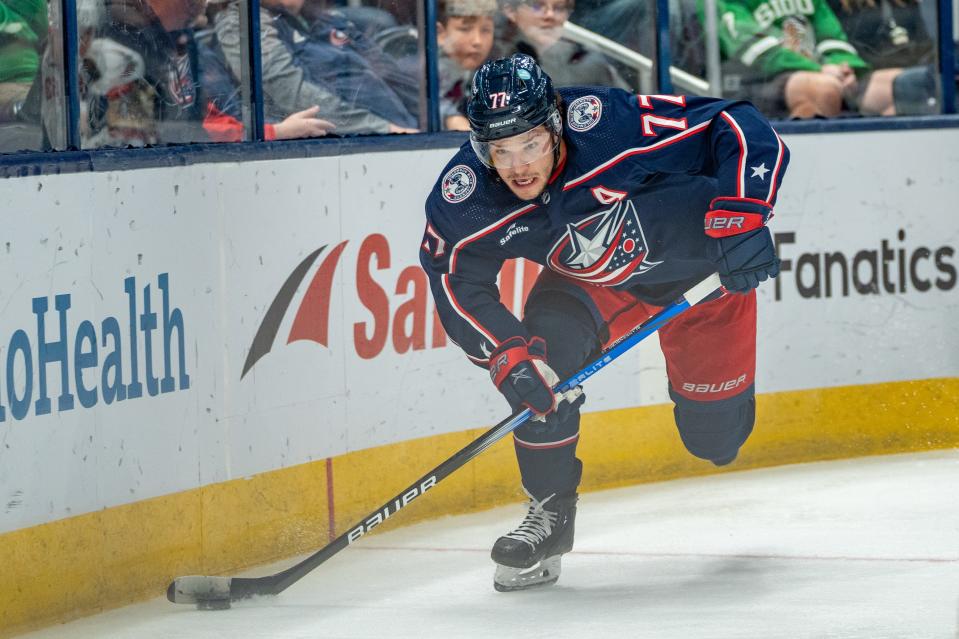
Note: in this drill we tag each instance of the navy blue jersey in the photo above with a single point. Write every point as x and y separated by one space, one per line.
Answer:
625 208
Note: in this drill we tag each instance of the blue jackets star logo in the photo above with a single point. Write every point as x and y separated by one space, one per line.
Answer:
606 248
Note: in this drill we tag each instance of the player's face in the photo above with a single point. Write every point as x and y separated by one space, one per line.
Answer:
525 161
466 39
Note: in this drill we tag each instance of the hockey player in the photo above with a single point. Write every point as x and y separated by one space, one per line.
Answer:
627 201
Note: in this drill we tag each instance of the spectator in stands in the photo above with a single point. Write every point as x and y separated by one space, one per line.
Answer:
222 127
631 24
892 37
627 22
50 91
535 27
224 99
464 32
23 28
793 58
289 70
23 25
370 20
340 55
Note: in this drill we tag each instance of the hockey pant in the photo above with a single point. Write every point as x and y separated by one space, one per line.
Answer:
710 353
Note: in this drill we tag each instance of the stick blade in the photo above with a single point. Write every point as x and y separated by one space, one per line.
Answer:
196 589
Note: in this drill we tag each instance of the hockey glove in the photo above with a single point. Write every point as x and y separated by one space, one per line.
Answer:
521 374
744 252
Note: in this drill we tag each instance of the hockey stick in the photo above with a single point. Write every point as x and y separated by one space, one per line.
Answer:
218 592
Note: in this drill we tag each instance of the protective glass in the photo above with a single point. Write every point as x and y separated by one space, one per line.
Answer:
540 8
522 149
32 98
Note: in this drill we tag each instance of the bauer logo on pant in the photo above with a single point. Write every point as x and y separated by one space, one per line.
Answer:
719 387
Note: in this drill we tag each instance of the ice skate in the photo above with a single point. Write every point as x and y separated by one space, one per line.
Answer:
530 555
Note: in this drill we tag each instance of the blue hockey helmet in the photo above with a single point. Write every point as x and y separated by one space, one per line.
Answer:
511 96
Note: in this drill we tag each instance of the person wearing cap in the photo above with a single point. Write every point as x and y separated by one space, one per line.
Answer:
627 201
464 33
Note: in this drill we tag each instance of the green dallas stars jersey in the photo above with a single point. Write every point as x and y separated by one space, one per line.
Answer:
773 36
23 25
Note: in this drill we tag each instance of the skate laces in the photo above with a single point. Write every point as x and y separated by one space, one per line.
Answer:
537 525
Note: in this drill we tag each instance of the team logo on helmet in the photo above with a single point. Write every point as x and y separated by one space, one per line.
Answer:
584 113
458 183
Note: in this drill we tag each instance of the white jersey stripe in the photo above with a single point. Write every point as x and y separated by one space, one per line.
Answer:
472 321
485 230
744 152
775 173
476 360
636 151
835 45
758 48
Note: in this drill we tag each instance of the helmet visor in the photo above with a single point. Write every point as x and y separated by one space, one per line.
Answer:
521 149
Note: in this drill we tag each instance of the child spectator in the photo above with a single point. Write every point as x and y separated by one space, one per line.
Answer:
464 32
535 27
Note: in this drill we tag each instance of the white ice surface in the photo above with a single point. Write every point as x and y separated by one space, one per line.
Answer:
866 548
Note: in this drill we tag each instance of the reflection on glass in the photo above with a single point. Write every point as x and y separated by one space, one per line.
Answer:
139 79
29 40
814 58
627 23
897 39
324 69
536 27
464 33
228 114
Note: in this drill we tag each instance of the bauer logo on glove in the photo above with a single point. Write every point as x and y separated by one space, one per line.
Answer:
744 250
520 372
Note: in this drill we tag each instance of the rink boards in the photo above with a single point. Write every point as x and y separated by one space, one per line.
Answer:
212 366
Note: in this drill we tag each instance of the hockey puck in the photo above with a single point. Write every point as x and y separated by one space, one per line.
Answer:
213 604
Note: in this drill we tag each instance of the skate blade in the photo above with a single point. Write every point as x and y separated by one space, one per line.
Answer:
509 579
